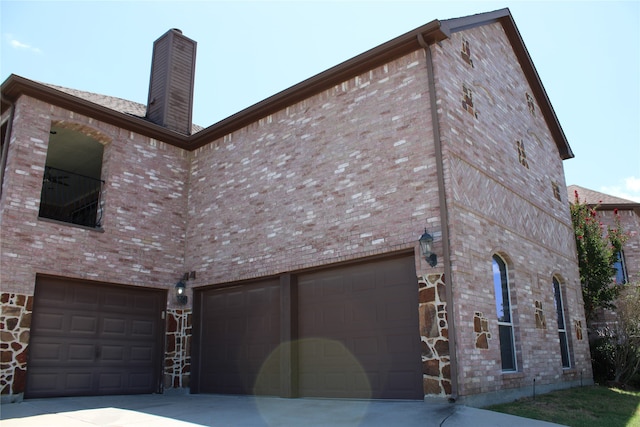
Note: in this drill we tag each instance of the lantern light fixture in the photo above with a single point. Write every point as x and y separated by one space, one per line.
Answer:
426 242
181 296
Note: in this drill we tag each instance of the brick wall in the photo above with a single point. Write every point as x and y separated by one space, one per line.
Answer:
347 173
142 242
501 167
145 205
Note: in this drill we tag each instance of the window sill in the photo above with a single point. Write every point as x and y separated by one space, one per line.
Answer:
70 224
569 371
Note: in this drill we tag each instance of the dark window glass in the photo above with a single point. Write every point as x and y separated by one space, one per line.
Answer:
503 311
621 269
562 330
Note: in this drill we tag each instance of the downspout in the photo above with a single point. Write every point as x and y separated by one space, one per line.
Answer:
444 219
5 147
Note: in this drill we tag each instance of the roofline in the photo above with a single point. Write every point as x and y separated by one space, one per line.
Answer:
15 86
399 46
615 206
432 32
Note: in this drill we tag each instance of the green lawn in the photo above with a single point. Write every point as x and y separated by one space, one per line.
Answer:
580 407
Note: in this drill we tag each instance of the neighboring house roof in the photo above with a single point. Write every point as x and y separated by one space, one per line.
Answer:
431 32
602 200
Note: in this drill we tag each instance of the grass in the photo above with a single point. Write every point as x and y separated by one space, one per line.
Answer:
580 407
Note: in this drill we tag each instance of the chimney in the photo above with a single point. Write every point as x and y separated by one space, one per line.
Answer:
173 65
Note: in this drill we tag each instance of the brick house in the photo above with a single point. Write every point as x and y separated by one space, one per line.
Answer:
628 212
293 227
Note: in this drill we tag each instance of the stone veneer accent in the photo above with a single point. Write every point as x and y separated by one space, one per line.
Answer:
541 321
481 329
578 327
434 331
15 324
177 367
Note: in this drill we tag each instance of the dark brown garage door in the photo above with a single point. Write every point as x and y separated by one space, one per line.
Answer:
355 327
237 330
359 334
92 338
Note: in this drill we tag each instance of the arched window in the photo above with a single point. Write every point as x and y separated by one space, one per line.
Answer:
503 311
562 328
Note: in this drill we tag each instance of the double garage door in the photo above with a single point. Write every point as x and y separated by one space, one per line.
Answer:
350 331
91 338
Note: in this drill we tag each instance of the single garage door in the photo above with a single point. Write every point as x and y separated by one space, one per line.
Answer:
359 334
237 328
92 338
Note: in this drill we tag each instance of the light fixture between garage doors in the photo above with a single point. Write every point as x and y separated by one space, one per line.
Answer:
181 287
426 240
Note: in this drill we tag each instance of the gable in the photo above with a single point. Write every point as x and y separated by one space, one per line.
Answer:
503 16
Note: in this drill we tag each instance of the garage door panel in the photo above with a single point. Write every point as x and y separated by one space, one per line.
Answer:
79 353
112 353
47 382
116 301
238 330
111 382
142 328
51 321
366 345
90 339
376 322
46 352
83 324
85 297
396 312
78 382
114 327
142 353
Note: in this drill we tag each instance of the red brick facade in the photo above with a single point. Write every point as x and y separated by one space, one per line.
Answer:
497 205
344 174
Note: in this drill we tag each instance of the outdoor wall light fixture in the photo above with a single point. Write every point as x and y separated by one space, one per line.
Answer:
181 287
426 240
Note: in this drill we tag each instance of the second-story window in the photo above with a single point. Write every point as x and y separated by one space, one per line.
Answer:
72 185
621 269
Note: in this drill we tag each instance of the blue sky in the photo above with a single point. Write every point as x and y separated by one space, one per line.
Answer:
586 52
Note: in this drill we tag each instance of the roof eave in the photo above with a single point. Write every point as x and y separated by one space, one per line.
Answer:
15 86
431 32
616 206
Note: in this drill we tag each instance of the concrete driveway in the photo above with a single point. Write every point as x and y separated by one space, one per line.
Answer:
184 410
